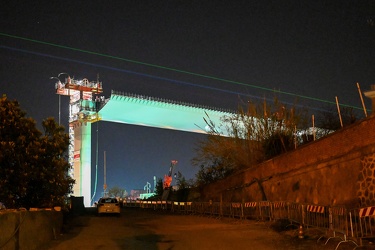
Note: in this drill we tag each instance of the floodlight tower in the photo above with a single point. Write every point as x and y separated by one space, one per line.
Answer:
83 110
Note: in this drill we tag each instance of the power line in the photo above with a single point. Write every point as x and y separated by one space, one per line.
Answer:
127 71
164 68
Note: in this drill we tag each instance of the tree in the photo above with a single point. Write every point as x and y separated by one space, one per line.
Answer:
33 166
183 187
212 173
159 189
256 132
181 181
328 119
116 192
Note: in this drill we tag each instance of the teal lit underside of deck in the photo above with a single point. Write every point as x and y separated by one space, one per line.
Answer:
146 111
141 111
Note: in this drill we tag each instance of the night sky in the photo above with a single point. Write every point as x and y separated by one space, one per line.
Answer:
205 52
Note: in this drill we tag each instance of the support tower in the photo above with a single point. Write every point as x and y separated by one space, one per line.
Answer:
84 105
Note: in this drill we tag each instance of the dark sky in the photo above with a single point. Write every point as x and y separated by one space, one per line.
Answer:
203 52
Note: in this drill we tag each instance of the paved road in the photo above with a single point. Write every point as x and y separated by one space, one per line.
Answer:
150 230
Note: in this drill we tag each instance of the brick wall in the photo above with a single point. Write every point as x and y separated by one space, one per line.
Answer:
335 170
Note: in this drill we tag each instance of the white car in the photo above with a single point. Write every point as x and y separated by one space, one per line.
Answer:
108 205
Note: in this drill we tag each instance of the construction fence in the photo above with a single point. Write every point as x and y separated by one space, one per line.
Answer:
355 226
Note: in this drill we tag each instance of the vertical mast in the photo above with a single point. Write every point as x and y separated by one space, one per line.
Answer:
105 175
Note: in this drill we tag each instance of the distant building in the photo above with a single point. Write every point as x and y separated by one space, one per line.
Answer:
135 194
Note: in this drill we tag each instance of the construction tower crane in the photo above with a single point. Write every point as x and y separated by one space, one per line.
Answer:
168 178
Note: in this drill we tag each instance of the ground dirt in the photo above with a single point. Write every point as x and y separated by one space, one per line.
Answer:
160 230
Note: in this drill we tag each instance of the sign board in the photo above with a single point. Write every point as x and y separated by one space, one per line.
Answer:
77 155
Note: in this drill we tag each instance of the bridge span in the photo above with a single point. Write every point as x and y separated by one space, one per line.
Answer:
87 106
156 112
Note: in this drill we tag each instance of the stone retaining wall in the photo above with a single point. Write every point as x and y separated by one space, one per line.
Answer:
336 170
28 229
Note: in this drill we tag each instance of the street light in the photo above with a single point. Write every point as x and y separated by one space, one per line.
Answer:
58 83
63 74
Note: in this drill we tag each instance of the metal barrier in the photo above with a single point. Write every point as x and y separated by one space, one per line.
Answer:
160 205
148 204
142 204
206 208
317 216
175 206
279 210
225 209
236 211
131 203
215 209
352 226
169 205
339 223
197 208
189 207
211 209
182 207
265 210
362 224
154 205
295 213
251 210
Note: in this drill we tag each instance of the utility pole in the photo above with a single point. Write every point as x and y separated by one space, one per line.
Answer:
105 176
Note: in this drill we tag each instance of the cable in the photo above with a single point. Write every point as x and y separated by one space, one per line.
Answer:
170 80
173 69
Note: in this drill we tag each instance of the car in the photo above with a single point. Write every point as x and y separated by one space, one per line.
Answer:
107 205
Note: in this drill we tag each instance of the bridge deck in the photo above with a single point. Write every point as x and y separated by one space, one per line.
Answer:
147 111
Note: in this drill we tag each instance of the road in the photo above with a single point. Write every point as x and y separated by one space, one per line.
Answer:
157 230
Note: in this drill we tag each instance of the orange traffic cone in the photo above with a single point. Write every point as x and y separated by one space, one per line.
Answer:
300 232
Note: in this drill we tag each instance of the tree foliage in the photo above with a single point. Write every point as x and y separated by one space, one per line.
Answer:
211 173
181 181
33 165
159 189
182 192
256 132
117 192
328 119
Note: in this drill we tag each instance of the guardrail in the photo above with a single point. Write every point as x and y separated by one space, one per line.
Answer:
355 226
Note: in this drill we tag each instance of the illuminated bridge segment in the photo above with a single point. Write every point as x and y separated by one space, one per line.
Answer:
134 110
158 113
86 106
